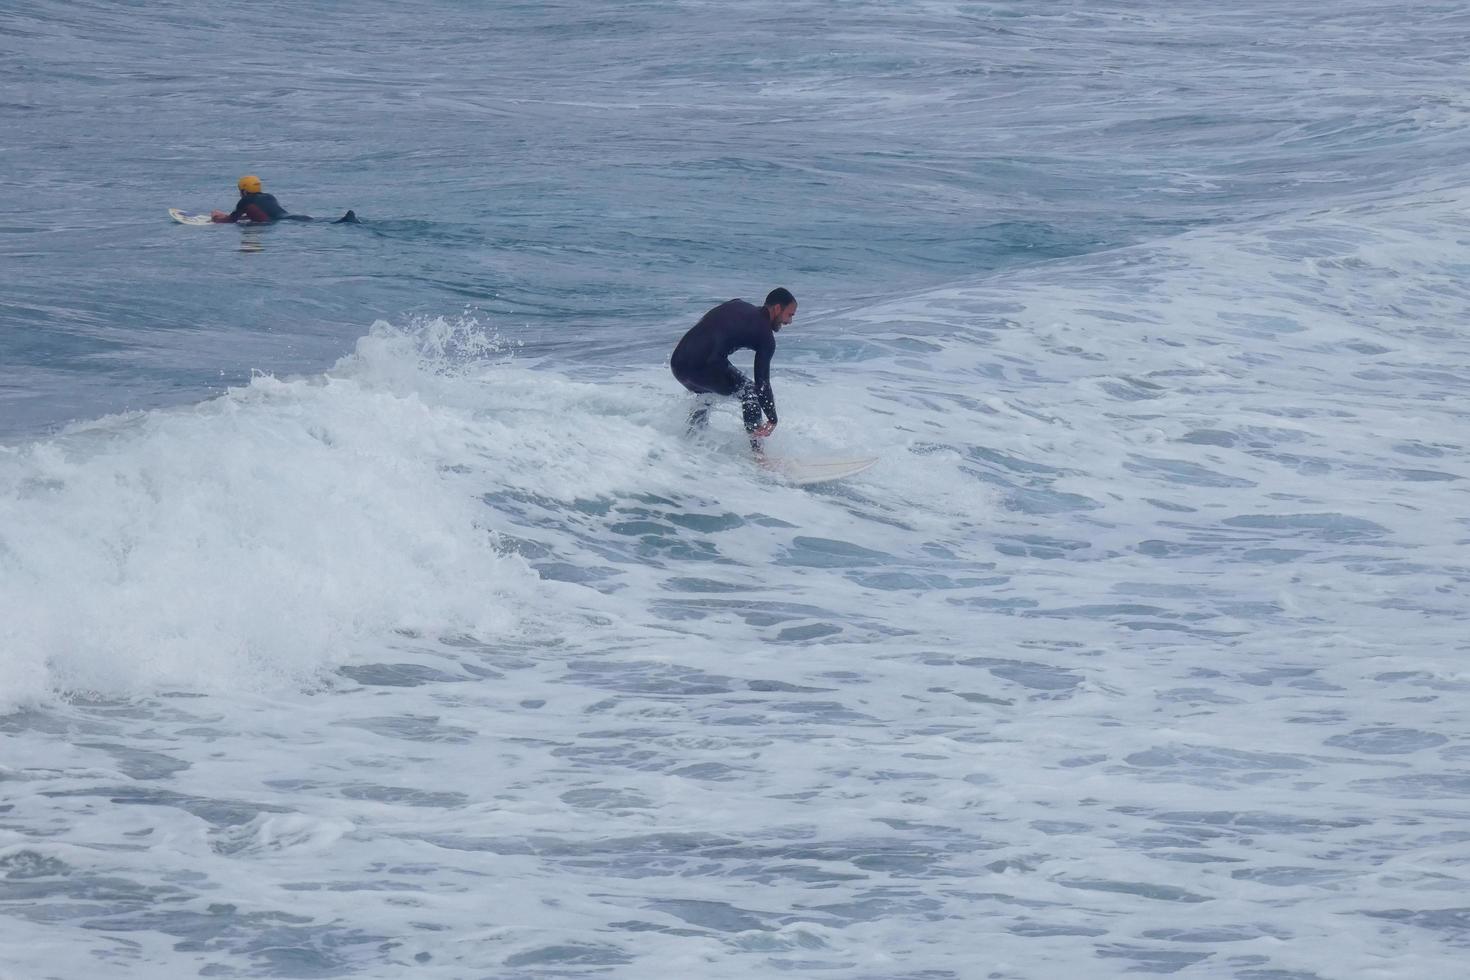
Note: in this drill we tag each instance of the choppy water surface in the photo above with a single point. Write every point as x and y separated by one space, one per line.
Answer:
366 612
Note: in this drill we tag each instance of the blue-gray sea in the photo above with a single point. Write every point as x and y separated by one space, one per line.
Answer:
366 611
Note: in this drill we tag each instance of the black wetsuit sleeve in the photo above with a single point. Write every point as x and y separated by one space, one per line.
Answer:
257 207
239 211
763 393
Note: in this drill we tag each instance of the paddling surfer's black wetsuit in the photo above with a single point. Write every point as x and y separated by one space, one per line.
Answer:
701 361
263 207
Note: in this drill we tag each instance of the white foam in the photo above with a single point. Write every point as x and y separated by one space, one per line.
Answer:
1141 646
247 542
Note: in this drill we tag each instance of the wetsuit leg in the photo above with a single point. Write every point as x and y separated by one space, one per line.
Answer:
699 414
720 378
750 410
750 405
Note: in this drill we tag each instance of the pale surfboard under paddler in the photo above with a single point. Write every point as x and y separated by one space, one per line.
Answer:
186 218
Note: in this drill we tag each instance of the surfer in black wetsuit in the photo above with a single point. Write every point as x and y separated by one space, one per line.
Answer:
701 361
257 206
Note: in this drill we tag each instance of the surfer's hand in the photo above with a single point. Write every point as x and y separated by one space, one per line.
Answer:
761 431
217 215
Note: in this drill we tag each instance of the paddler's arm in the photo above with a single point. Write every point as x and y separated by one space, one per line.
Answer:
763 392
220 218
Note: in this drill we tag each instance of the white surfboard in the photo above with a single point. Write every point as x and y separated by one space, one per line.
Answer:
188 218
804 472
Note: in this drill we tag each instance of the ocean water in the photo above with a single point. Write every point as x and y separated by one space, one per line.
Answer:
365 610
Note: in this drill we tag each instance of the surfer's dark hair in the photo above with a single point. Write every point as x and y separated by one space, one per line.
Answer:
780 296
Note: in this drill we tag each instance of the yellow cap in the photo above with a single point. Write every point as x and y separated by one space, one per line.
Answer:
249 184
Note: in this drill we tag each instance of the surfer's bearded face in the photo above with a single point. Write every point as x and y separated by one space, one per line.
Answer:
782 315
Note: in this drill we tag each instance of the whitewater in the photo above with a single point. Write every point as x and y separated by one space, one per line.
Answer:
366 611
